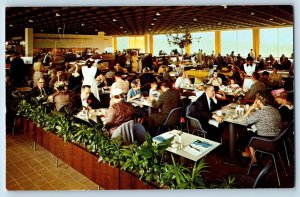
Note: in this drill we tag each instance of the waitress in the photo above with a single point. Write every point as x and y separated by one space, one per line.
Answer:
249 69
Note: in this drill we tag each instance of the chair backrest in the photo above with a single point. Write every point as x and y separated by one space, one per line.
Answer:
195 124
262 174
284 132
173 117
139 132
125 131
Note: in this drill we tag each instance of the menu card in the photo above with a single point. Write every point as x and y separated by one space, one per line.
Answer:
201 145
163 137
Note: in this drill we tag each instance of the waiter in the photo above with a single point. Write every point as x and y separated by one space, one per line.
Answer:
249 69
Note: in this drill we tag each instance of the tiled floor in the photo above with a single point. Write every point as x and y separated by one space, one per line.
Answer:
27 169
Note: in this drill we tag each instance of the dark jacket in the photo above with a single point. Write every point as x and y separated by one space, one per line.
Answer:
166 102
257 87
200 110
75 104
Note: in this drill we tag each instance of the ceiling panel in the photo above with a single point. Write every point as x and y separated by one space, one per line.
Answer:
138 20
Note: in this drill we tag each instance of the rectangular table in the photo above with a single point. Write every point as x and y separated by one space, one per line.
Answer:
229 115
188 139
92 114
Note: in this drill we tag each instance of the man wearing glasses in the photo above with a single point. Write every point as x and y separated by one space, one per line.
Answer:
202 110
41 92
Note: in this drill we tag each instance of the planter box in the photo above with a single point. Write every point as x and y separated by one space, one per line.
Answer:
108 177
89 162
77 157
24 124
39 136
50 142
130 181
31 130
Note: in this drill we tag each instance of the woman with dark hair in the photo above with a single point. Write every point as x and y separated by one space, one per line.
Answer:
266 119
285 108
119 111
90 74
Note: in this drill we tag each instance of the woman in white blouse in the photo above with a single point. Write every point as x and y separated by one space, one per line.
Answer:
182 81
215 80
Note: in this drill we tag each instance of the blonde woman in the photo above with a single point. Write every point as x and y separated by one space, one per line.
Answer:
37 68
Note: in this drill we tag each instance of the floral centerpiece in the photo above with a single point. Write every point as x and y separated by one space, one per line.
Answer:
180 40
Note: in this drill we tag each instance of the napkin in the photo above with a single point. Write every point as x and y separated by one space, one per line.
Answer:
192 151
200 145
163 137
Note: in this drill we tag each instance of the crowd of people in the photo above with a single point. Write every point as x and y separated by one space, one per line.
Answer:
76 87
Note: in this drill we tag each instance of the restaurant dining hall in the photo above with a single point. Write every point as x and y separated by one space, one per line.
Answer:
149 97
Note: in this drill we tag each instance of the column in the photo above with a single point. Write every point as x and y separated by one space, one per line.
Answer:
146 41
188 49
151 43
28 42
256 41
115 43
100 43
217 42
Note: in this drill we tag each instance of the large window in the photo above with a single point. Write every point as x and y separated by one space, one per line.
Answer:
204 41
160 42
123 43
276 41
137 42
238 41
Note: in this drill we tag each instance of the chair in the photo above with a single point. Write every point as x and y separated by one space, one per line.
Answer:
194 123
247 181
125 131
173 118
270 147
139 132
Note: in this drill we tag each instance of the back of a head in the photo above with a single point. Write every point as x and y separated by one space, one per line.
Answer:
165 84
118 74
146 70
255 76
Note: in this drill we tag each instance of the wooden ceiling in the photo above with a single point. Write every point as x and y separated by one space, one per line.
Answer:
129 20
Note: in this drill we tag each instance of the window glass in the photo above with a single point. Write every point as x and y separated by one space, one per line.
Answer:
204 41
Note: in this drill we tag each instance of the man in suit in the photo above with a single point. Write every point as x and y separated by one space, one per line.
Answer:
41 92
165 75
202 110
256 87
85 99
169 100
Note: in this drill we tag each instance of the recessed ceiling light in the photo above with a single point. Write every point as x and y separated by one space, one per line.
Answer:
76 32
121 27
59 27
194 19
252 13
42 30
11 25
125 31
225 6
154 19
57 14
114 20
271 19
180 26
82 24
96 29
201 29
157 14
152 24
283 23
149 29
31 21
219 23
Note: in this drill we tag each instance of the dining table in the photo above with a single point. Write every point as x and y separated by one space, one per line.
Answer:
186 145
233 114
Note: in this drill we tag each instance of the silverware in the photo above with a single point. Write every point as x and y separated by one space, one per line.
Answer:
195 148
